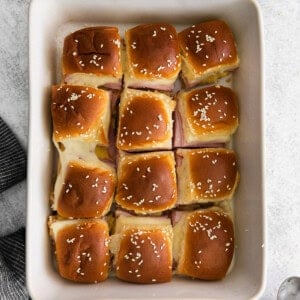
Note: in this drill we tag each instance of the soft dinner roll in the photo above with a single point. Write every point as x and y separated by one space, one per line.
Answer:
83 189
92 57
206 175
145 121
142 249
203 243
208 52
152 57
81 248
147 182
80 114
207 115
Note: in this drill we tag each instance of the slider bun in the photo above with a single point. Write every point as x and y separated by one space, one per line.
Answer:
208 52
147 182
152 56
204 244
83 189
81 248
92 57
207 115
143 249
81 113
206 175
145 121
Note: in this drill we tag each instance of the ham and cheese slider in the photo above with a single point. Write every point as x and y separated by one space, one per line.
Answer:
205 116
145 121
81 248
203 243
152 57
206 175
142 249
92 57
147 182
208 52
83 188
80 115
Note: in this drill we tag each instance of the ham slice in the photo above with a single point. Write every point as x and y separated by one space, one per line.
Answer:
114 101
114 85
153 86
121 212
176 216
178 139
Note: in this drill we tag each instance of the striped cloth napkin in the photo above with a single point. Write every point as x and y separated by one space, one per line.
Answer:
12 245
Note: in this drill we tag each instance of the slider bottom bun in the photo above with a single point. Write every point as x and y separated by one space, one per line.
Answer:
142 248
203 244
81 248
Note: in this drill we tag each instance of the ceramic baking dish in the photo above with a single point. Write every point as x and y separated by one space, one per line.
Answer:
47 18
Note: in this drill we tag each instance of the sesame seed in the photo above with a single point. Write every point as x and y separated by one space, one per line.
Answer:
70 241
209 38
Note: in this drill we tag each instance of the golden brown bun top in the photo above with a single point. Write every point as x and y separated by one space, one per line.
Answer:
86 191
153 50
144 119
209 244
147 182
145 256
208 44
76 111
93 50
82 251
213 171
212 108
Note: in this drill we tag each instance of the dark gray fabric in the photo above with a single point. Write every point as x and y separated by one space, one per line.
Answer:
12 247
12 266
12 158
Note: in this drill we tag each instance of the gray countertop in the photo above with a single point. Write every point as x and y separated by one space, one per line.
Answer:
282 110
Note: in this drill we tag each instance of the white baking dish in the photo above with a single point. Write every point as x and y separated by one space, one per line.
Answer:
46 20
